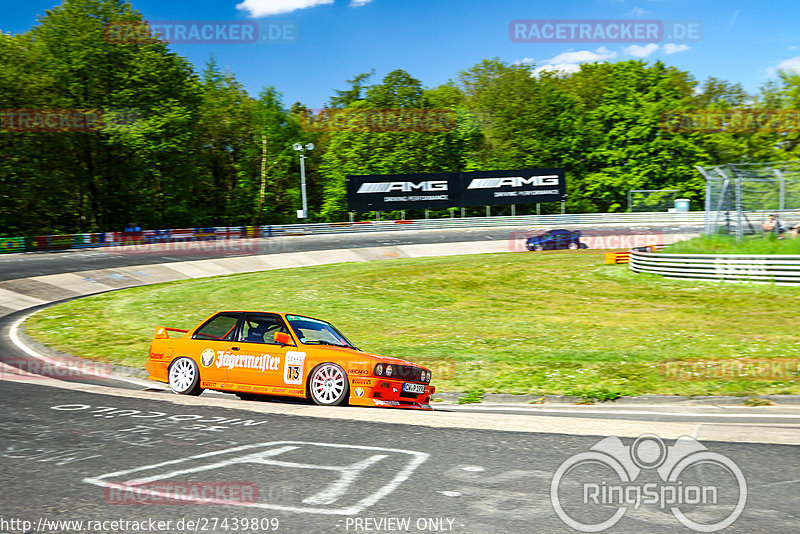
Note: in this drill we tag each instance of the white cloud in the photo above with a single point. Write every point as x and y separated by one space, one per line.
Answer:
265 8
570 60
641 51
792 64
637 12
733 19
582 56
672 48
524 61
562 67
359 3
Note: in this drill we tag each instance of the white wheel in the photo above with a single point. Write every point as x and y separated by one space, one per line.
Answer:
328 385
573 246
184 378
538 248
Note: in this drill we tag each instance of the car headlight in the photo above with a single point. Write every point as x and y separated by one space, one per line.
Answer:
389 370
378 370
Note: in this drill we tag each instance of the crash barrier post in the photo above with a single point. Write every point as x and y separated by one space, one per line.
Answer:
625 255
778 269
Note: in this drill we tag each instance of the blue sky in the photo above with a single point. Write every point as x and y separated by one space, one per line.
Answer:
434 39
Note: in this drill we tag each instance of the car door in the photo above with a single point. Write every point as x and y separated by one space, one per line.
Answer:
211 341
562 240
256 359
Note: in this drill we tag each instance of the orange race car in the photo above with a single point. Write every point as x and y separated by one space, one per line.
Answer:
259 353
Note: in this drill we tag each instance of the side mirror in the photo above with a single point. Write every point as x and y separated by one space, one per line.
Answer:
283 338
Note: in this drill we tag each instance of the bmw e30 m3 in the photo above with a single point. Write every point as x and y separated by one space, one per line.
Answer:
253 353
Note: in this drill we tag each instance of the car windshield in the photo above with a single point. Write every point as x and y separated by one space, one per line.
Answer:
315 332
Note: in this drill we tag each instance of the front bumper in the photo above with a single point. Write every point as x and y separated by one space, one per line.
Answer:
388 393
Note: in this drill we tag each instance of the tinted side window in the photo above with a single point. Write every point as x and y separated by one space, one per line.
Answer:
260 328
220 327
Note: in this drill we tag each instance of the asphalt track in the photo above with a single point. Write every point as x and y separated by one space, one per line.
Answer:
65 442
65 454
14 266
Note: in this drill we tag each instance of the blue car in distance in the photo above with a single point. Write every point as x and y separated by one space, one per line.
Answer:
556 239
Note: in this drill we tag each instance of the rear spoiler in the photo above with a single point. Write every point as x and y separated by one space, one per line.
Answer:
162 332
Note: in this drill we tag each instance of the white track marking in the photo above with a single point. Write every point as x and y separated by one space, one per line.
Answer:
589 411
349 473
13 334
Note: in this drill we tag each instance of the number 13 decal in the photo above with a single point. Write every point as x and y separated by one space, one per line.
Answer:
293 368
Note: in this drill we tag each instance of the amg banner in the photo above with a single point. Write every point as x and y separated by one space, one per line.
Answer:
386 192
439 191
521 186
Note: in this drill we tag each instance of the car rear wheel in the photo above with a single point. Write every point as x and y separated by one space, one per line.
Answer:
538 248
573 246
184 378
328 385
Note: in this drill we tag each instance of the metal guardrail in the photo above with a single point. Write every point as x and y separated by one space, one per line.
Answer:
778 269
556 220
108 239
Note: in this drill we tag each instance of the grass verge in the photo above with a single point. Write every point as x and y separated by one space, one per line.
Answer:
723 244
556 322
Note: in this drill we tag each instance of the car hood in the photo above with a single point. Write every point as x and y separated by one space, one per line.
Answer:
376 358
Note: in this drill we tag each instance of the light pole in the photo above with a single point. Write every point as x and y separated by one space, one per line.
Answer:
303 214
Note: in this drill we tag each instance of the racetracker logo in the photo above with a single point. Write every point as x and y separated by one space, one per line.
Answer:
49 120
591 491
604 31
200 32
173 492
426 120
732 121
26 369
733 369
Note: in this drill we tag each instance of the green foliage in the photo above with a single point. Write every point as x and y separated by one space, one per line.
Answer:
724 244
472 396
195 154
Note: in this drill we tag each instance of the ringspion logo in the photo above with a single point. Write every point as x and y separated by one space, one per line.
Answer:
705 491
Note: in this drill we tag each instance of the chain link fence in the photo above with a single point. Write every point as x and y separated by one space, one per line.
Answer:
740 197
650 200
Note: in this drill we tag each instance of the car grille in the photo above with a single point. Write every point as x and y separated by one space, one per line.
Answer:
407 373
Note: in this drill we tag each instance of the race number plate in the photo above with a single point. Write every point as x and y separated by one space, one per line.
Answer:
413 388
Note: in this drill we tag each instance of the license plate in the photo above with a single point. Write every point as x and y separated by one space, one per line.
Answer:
413 388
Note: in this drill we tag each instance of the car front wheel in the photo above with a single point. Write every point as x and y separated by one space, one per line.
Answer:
184 378
538 248
328 385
